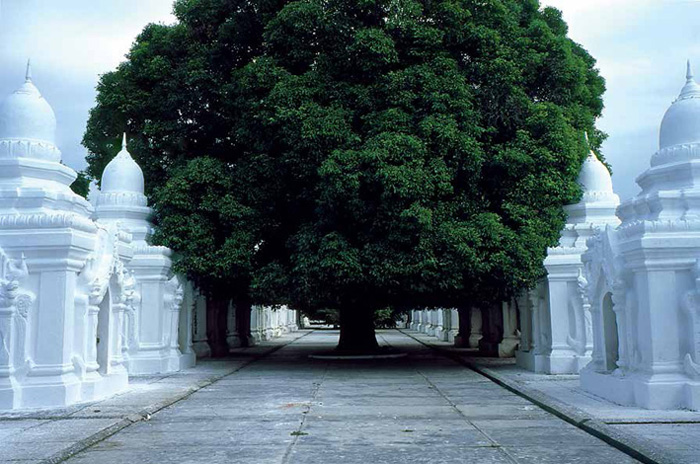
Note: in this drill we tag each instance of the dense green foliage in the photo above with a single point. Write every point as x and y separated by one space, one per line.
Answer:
359 154
81 184
200 216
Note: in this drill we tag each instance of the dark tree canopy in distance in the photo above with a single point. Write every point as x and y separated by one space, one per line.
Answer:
81 184
364 154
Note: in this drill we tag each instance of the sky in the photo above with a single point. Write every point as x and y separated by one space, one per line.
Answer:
641 47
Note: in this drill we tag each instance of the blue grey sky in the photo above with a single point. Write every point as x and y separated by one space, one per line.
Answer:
641 47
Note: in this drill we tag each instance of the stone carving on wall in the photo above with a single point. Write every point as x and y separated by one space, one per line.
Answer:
691 304
29 149
14 299
602 262
54 220
97 271
132 299
581 309
12 272
176 293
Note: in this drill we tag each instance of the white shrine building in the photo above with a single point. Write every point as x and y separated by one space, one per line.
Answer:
643 277
85 300
555 321
621 300
553 335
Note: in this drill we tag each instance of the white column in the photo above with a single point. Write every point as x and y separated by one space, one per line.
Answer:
200 342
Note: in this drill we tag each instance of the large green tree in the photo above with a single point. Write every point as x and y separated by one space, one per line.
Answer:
392 153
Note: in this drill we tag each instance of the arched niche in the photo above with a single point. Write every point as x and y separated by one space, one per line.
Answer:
103 333
610 333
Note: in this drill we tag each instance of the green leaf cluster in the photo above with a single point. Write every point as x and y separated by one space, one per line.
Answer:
356 153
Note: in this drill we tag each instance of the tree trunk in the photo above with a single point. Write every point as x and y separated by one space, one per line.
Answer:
243 308
357 330
217 314
492 327
465 326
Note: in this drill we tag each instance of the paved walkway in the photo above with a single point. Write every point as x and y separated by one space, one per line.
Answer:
286 408
47 436
670 436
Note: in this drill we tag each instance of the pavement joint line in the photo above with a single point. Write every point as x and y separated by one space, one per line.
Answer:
624 441
304 414
494 443
148 411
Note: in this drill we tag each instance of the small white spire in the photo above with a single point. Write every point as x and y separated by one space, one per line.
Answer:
28 74
691 89
689 72
124 142
588 145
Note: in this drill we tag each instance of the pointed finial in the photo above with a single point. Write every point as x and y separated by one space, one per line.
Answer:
28 74
689 73
124 142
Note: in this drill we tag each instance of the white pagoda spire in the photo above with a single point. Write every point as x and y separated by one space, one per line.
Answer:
689 73
691 89
28 74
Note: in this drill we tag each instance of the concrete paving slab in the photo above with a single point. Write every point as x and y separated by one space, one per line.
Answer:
297 411
287 409
655 436
397 454
570 454
182 455
51 435
13 450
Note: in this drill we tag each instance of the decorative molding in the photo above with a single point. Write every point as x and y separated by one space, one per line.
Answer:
640 226
566 250
591 198
121 199
676 153
145 249
36 149
47 221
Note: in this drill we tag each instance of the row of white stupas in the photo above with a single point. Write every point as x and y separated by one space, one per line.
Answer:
85 301
621 302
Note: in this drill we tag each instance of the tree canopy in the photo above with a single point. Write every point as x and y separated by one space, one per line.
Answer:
356 154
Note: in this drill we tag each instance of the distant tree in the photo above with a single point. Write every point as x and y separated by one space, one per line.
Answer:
81 184
393 153
170 96
199 214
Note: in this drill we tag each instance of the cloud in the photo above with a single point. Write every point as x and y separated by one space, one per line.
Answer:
640 47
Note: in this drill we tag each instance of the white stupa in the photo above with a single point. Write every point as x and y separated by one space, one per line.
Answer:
30 162
681 123
121 198
121 201
594 177
28 124
644 277
47 228
597 206
122 174
556 328
670 186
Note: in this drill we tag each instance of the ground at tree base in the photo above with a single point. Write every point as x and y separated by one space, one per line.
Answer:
272 404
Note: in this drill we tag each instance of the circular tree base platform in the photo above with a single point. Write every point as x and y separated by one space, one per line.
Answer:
337 355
